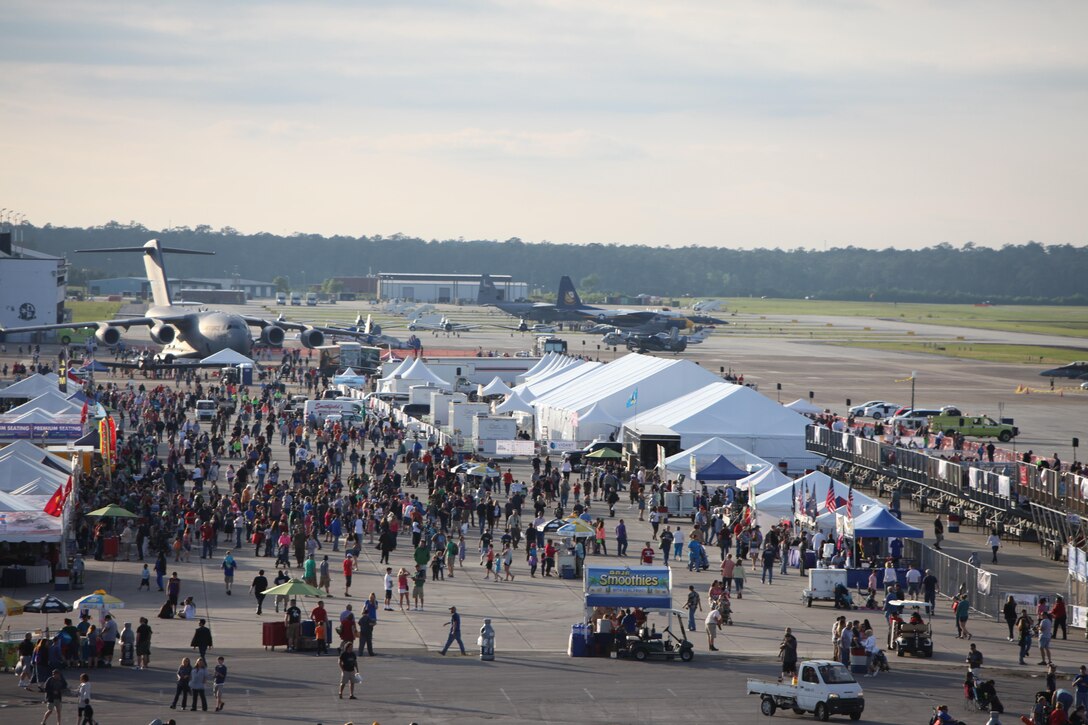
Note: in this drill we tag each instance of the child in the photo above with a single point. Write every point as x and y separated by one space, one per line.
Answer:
85 712
145 579
532 560
319 635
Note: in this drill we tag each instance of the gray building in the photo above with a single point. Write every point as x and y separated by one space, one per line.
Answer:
444 288
140 287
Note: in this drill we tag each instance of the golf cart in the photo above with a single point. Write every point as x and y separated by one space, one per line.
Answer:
913 635
661 645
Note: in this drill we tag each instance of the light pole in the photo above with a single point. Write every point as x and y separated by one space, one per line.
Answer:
913 375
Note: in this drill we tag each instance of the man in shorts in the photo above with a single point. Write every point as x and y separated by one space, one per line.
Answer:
292 618
219 679
349 666
389 589
713 621
323 579
54 689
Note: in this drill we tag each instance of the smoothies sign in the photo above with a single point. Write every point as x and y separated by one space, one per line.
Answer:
645 586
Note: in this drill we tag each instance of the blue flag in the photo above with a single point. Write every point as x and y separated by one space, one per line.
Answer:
633 399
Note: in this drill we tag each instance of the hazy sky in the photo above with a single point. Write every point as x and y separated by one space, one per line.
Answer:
713 122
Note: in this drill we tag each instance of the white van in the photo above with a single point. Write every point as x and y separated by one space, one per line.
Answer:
320 409
206 409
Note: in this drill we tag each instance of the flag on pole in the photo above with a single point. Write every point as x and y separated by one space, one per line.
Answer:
850 503
798 500
83 413
830 502
633 399
55 505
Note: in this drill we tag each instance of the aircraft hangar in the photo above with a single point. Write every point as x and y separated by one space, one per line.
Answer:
445 288
33 286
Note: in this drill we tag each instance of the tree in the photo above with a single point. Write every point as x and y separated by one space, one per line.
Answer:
281 283
590 283
332 286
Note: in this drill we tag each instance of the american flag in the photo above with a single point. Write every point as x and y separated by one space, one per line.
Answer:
850 503
830 502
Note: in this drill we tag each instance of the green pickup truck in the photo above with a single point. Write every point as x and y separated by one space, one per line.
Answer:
978 427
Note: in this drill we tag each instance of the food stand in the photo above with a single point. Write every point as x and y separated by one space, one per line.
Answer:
606 589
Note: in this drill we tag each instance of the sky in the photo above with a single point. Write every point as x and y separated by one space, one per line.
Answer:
762 123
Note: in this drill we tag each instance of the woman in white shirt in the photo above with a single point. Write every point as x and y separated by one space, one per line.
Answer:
86 712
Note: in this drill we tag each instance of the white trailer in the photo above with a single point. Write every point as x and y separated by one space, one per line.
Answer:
461 415
488 429
440 407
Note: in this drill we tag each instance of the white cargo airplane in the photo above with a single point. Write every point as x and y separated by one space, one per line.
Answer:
187 335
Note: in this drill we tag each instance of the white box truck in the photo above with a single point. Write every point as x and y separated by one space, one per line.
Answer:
440 407
461 415
487 429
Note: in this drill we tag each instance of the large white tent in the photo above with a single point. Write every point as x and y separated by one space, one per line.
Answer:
803 407
707 451
34 453
540 365
738 414
17 472
781 503
543 384
623 387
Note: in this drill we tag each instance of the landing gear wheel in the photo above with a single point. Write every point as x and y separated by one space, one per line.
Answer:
767 706
821 712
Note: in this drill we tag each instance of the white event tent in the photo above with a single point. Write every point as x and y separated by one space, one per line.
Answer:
710 449
621 388
738 414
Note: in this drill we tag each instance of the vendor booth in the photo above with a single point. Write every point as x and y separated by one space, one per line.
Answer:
608 590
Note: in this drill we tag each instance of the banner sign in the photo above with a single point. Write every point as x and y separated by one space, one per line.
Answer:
515 448
562 446
65 431
649 587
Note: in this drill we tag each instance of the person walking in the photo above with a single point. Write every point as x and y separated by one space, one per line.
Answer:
963 611
938 532
349 669
713 622
202 639
184 675
143 644
257 589
219 679
197 683
229 567
1023 631
1008 611
54 692
694 603
349 566
455 632
994 542
85 712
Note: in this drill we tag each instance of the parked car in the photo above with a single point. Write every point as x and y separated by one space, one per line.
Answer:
880 410
915 418
860 409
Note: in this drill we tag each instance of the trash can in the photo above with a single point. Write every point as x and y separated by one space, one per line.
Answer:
110 545
60 580
578 646
953 523
858 660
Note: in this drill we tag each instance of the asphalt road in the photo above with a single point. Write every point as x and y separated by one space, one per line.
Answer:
428 688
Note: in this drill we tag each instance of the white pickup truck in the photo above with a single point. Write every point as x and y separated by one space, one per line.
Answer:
823 687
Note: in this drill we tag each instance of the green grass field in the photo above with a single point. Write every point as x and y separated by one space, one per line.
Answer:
93 310
1067 321
1014 354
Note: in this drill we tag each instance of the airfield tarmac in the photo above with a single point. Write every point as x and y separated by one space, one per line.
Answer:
793 356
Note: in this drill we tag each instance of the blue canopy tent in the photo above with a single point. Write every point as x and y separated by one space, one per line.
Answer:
720 469
879 523
93 366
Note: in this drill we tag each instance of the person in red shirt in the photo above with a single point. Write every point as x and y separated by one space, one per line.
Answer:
549 558
207 539
349 564
648 554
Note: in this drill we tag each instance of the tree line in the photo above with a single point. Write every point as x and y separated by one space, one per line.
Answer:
1030 273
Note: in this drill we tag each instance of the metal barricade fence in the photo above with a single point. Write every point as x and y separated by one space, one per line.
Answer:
980 585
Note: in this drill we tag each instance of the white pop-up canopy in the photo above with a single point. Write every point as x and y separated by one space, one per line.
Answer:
31 387
514 402
496 387
707 451
53 402
803 407
227 356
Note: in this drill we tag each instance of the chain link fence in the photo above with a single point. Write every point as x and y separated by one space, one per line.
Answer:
954 575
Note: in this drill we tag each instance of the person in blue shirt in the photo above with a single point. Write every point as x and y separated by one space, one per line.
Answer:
455 631
1080 685
229 567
